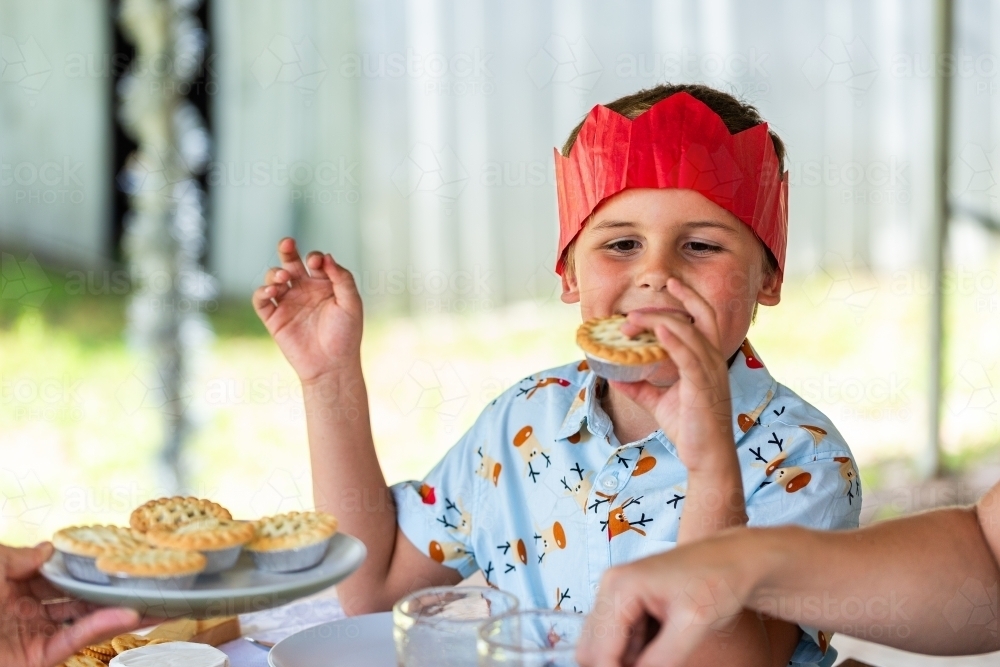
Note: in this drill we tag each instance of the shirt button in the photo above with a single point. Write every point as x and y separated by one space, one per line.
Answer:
610 483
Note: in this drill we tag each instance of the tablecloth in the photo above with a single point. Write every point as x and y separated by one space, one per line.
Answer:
275 624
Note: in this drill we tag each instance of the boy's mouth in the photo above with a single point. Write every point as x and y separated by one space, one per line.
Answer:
667 311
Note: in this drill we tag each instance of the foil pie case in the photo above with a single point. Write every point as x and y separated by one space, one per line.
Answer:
291 560
220 560
83 568
659 373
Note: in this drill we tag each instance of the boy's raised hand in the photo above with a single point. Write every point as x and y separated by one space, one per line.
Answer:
695 412
312 309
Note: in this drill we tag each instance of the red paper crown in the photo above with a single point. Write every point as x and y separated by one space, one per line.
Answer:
678 143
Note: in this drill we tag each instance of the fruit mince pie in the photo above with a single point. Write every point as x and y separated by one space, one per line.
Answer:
293 541
219 540
614 356
81 545
169 513
148 568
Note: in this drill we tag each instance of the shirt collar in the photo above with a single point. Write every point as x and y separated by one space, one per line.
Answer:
751 388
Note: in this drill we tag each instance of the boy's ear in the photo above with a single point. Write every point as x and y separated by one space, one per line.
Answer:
770 289
570 289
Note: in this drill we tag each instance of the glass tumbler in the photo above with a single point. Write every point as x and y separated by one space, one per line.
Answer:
535 638
437 626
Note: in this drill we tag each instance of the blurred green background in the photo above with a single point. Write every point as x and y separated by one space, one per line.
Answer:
80 425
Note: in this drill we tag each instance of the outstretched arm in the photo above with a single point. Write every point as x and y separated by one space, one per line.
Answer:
313 311
911 581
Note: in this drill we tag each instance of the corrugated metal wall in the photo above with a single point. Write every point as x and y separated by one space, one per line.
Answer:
413 138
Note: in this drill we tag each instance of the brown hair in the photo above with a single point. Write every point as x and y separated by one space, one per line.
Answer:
737 116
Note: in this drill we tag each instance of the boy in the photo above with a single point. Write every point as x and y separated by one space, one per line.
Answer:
672 211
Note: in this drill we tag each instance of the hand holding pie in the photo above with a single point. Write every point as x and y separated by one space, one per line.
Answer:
615 356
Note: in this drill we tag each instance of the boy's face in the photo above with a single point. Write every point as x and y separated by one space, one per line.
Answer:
640 237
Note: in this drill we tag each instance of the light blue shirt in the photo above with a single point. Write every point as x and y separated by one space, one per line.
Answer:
540 495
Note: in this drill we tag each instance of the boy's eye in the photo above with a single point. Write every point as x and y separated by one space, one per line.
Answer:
701 247
624 245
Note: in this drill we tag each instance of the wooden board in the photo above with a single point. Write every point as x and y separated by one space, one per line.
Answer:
213 631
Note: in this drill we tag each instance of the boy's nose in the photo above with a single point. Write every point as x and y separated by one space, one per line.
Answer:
653 276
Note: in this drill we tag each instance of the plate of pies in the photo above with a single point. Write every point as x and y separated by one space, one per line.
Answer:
188 557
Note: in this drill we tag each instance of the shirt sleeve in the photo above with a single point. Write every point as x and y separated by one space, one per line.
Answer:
437 514
820 491
810 484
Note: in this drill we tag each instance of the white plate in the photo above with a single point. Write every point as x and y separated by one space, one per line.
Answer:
241 590
362 641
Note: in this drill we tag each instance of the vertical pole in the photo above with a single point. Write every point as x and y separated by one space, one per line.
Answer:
943 70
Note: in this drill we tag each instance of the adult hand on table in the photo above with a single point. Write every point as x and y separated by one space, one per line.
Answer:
657 610
35 634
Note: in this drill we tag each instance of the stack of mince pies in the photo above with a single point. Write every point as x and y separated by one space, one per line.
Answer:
170 542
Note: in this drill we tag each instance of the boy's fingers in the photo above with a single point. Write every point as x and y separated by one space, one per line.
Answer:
290 260
686 359
345 291
277 276
700 309
681 327
266 299
682 357
263 306
693 338
314 264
